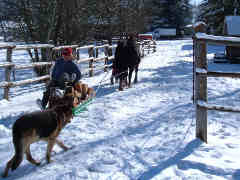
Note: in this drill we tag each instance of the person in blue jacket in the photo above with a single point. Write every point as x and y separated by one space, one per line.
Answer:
63 71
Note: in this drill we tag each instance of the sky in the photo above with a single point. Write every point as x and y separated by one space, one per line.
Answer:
196 1
144 132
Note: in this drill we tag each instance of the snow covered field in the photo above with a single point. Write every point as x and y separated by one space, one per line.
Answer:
144 132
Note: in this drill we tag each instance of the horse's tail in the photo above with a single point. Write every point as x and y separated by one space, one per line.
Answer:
18 145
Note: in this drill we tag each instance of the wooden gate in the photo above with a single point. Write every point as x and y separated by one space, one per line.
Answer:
201 73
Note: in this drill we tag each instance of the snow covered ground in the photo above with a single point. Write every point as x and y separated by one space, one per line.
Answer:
144 132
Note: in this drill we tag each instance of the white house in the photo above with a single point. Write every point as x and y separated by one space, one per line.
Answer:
164 32
232 28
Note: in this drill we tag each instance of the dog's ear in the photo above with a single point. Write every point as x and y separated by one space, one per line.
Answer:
78 86
69 91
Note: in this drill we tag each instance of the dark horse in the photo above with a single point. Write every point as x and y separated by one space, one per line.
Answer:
127 60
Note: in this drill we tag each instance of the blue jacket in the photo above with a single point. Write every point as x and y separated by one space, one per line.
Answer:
62 66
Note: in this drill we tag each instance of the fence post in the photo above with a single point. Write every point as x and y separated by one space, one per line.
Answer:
91 54
75 53
49 59
106 53
201 90
149 47
154 46
78 54
194 67
138 49
36 55
141 45
8 73
96 53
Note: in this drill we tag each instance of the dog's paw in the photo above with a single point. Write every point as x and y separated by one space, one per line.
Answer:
54 152
4 175
48 158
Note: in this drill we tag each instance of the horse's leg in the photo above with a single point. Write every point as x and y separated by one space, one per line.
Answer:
112 76
120 83
130 76
126 80
116 79
136 74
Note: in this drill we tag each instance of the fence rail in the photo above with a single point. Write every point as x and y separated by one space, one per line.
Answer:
201 73
93 52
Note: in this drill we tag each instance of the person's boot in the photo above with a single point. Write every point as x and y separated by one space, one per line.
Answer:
45 100
112 82
121 85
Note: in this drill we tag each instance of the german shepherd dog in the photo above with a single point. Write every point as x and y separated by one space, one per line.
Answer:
40 125
83 91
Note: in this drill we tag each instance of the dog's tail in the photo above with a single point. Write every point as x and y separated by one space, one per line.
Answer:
18 145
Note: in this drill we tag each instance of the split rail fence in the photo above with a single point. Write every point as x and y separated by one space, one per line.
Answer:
93 52
201 74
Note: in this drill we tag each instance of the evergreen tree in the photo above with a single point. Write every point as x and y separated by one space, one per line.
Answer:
213 13
174 13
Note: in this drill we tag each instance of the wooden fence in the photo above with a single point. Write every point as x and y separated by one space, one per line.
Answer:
148 46
201 73
93 57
